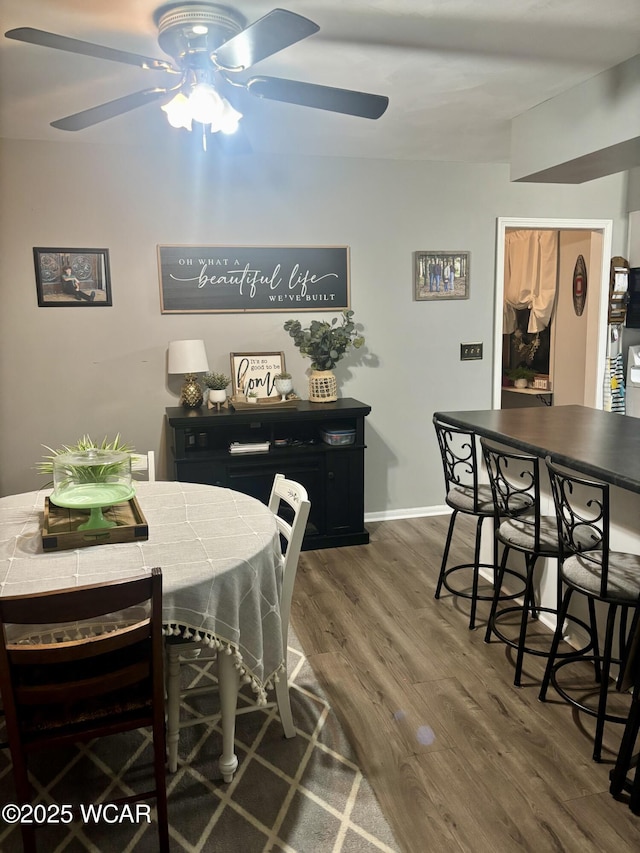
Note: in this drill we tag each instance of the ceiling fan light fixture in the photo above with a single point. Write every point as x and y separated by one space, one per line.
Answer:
205 104
229 120
178 111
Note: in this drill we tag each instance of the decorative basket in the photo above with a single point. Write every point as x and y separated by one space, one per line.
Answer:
323 387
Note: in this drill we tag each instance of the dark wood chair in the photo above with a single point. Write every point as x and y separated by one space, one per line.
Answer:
58 690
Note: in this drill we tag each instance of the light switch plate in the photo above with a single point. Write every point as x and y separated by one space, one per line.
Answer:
470 352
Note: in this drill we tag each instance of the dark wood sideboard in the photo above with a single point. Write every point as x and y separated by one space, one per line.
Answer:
333 475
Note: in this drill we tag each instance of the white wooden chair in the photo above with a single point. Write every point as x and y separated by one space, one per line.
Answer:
290 504
144 462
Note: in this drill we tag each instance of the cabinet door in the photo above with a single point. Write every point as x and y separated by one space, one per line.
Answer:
344 491
209 472
255 478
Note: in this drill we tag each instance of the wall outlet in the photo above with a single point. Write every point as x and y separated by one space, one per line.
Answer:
470 352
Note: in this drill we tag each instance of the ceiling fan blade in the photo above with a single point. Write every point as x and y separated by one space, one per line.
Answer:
320 97
94 115
87 48
266 36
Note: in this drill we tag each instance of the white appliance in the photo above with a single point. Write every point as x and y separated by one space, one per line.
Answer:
633 382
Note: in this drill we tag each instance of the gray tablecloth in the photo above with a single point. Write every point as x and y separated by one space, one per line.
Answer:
219 552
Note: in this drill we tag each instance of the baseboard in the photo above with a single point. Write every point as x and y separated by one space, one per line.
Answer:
410 512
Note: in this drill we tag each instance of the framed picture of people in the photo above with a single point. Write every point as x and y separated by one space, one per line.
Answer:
440 275
72 277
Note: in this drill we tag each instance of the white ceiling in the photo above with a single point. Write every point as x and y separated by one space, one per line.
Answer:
456 71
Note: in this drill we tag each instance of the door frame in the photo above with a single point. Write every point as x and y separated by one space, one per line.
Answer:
605 227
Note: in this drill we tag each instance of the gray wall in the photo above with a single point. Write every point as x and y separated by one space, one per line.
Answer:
66 371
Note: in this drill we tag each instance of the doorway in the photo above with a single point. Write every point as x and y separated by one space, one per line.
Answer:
596 334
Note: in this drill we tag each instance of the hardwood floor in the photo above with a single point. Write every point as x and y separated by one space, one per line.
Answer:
460 759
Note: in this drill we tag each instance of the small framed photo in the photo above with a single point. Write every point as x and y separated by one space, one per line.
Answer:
441 275
256 372
72 277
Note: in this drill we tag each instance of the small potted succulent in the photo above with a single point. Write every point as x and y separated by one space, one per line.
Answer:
217 384
284 384
252 397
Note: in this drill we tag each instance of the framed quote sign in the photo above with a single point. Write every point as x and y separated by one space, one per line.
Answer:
255 372
210 279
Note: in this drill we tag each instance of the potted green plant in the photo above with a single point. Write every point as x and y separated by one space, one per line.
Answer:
252 397
325 344
90 475
521 376
284 384
217 384
82 445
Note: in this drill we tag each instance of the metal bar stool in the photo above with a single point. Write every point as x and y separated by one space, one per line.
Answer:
520 526
589 567
625 776
465 494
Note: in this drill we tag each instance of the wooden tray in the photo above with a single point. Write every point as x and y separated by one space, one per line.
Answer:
60 529
263 404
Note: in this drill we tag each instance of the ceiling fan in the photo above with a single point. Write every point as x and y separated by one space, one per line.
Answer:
211 47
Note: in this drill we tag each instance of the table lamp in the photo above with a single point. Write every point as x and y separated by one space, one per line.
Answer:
188 357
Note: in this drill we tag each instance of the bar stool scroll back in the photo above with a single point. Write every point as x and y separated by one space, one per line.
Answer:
521 526
465 494
589 567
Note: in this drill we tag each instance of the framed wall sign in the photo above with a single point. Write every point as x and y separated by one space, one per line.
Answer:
256 371
441 275
72 277
210 279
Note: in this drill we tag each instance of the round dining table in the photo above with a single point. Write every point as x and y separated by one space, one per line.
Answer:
219 552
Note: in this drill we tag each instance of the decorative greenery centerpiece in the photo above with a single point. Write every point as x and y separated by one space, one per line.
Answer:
325 343
88 475
94 473
216 381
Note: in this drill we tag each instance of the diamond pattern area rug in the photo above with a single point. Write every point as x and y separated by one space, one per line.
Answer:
302 795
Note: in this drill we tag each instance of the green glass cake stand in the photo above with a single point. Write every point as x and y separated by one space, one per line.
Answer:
94 497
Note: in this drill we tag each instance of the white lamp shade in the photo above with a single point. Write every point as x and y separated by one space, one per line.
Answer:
187 357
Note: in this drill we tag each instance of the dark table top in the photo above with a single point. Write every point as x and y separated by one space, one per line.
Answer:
602 445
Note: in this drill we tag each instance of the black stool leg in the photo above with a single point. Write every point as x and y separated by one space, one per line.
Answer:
530 562
497 588
625 759
604 682
634 802
445 555
595 640
476 573
542 695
